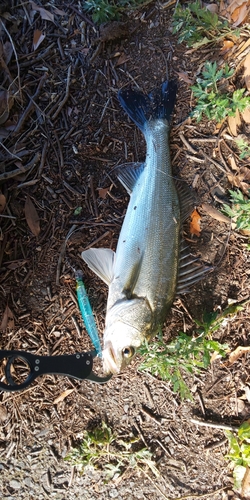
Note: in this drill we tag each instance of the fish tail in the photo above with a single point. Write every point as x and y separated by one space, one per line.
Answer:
142 108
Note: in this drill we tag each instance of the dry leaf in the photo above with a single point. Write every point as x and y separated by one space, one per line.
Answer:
2 203
213 212
233 163
227 45
246 115
103 192
59 12
62 396
213 7
195 223
239 351
184 76
7 51
234 122
38 38
31 216
239 15
247 71
215 356
7 319
45 14
14 264
245 485
122 59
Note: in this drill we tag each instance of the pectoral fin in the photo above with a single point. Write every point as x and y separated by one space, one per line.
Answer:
128 174
132 278
101 261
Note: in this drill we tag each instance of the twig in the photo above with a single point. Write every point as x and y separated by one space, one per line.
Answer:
188 146
202 495
214 425
30 105
66 95
21 170
43 158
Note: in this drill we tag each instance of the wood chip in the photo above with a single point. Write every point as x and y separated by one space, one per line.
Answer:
238 353
62 396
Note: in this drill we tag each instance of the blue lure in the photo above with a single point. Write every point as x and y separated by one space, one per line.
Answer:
87 314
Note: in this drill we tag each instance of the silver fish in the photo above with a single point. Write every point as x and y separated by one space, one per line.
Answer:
143 273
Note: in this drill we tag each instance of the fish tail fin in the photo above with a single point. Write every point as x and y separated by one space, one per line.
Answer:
142 108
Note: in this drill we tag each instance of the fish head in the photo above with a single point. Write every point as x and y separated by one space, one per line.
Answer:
127 325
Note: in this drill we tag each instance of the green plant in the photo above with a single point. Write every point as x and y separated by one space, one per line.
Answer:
244 147
105 451
186 354
107 10
239 210
198 26
211 100
239 452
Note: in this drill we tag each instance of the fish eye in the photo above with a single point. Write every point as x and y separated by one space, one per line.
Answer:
128 352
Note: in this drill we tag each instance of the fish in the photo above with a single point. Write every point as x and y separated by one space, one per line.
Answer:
151 263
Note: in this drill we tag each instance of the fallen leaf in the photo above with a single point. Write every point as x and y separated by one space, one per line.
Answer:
45 14
240 15
7 319
227 45
245 485
216 214
233 163
246 115
122 59
215 356
234 122
14 264
7 51
213 7
103 192
2 203
62 396
195 223
31 216
59 12
237 353
184 76
38 38
247 71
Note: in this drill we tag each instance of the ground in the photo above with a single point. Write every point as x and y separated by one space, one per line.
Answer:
65 134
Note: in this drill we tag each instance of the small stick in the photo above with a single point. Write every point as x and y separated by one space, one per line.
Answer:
93 194
43 158
213 425
188 146
66 95
21 170
30 105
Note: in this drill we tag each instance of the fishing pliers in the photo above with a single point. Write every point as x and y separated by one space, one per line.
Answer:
77 366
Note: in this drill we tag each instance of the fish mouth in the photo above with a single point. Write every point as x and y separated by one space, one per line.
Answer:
110 363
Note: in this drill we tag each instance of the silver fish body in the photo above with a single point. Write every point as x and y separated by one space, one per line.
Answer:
142 274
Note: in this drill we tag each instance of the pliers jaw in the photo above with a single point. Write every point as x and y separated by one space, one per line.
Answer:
78 366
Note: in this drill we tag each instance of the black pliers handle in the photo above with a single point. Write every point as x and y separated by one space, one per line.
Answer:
78 366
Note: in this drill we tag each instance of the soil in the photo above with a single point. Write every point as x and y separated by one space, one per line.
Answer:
64 136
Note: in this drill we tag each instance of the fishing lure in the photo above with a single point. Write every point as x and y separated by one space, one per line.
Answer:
87 314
